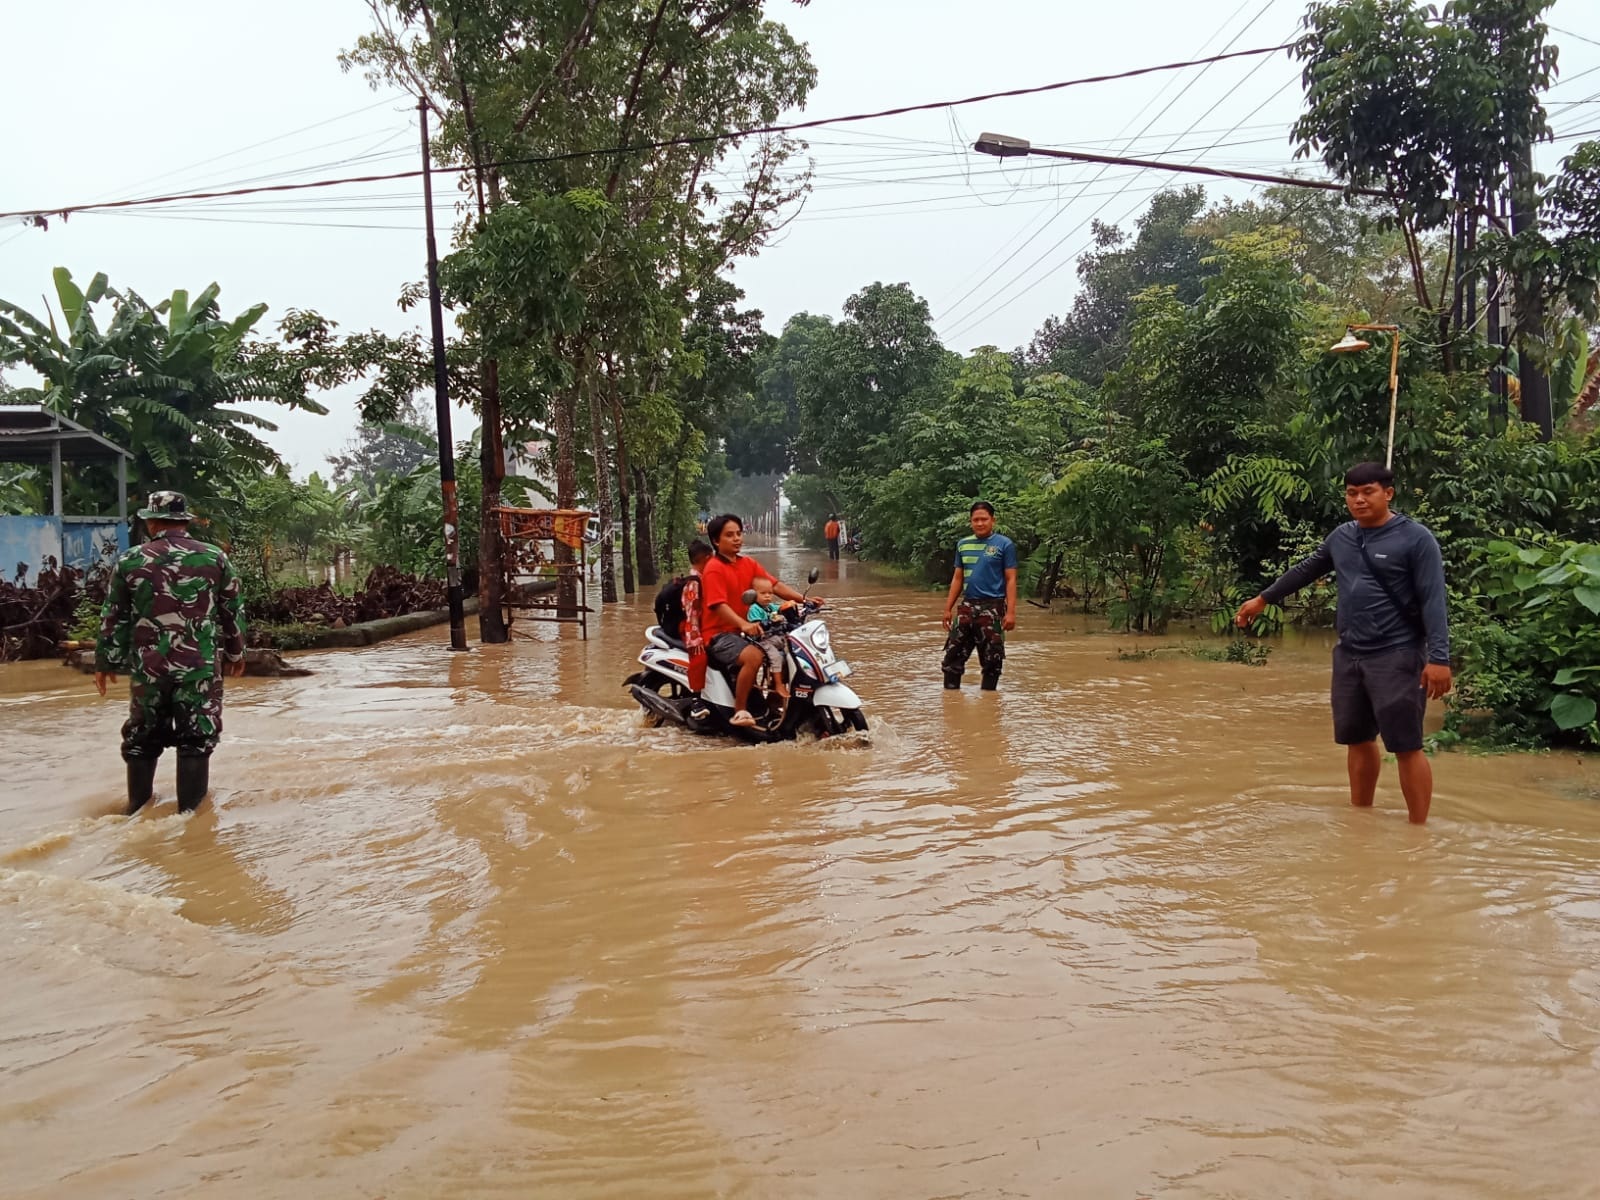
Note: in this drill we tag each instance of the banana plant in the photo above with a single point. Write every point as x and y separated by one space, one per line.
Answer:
164 380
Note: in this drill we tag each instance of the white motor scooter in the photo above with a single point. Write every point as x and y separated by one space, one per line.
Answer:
818 699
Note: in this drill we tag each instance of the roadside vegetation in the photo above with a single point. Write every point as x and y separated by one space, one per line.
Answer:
1158 450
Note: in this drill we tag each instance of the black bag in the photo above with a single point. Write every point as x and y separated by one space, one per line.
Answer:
1409 611
669 608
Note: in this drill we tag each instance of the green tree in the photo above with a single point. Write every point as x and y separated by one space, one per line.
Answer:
383 449
1530 642
519 91
1354 264
861 378
278 519
402 523
1214 383
1438 107
22 491
709 376
1560 258
165 381
1167 250
979 440
1127 508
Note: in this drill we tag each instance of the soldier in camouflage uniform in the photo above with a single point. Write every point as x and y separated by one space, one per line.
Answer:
165 604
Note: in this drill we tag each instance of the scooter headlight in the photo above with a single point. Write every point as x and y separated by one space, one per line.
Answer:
819 638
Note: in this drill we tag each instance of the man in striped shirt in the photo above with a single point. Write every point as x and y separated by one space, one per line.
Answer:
981 607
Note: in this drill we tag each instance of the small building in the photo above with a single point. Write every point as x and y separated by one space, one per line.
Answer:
34 436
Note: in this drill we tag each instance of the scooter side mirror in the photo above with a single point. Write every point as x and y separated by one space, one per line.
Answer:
814 576
748 598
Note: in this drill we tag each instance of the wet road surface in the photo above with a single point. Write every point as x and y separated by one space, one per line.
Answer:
461 926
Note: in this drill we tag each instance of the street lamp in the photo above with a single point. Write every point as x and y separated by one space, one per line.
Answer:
1002 145
1350 344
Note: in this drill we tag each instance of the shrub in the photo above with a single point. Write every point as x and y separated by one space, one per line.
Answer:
1528 640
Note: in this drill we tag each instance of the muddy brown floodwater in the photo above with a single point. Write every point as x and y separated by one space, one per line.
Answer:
461 926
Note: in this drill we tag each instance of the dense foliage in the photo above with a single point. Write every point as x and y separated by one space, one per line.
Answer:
1208 458
1528 634
62 603
1160 449
164 381
591 290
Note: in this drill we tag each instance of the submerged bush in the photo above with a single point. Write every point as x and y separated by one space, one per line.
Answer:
1528 642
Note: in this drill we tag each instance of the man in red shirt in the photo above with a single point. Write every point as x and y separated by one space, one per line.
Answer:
723 582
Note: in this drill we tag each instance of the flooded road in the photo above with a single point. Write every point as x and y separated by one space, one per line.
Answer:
461 926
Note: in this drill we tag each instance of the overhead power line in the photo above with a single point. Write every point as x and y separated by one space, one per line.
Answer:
1007 293
1570 34
227 154
666 143
1572 78
1010 249
944 168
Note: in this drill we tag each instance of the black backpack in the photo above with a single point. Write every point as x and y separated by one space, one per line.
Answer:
669 607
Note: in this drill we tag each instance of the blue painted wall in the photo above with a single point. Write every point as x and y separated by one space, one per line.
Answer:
30 540
27 542
86 544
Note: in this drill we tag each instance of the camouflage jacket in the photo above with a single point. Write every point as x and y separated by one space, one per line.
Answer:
166 601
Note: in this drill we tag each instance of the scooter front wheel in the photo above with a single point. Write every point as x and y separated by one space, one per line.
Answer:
832 721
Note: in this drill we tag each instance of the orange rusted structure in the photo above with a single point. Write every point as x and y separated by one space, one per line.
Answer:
528 537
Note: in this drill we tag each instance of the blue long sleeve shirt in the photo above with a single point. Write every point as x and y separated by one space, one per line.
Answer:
1367 620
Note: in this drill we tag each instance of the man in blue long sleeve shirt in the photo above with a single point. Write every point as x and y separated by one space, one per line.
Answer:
1393 653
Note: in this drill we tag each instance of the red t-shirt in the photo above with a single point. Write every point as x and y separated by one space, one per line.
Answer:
724 582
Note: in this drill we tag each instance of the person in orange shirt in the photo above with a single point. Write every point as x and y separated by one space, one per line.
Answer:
831 532
724 580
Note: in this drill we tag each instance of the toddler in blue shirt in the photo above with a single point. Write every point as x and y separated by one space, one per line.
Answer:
767 612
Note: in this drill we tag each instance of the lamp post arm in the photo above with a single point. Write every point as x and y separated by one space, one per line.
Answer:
1001 146
1394 393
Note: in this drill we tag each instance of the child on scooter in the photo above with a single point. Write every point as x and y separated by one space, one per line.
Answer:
768 612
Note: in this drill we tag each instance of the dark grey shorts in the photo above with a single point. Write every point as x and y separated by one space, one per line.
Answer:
1379 694
725 649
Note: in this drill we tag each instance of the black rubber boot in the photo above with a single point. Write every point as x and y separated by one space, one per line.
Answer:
952 681
990 683
194 781
141 782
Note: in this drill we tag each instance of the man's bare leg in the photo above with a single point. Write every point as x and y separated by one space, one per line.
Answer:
1416 784
1364 761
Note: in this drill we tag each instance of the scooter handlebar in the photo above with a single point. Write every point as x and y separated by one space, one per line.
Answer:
788 618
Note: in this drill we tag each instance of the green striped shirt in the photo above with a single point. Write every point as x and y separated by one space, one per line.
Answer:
984 563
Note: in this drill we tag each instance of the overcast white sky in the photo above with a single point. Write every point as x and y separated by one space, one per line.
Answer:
105 100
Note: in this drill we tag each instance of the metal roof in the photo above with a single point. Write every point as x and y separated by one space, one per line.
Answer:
30 432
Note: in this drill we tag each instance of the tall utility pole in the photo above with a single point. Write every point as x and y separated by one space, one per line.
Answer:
1496 313
1494 306
1533 382
441 403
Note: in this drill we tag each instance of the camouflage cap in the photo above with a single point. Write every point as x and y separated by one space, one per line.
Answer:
166 506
